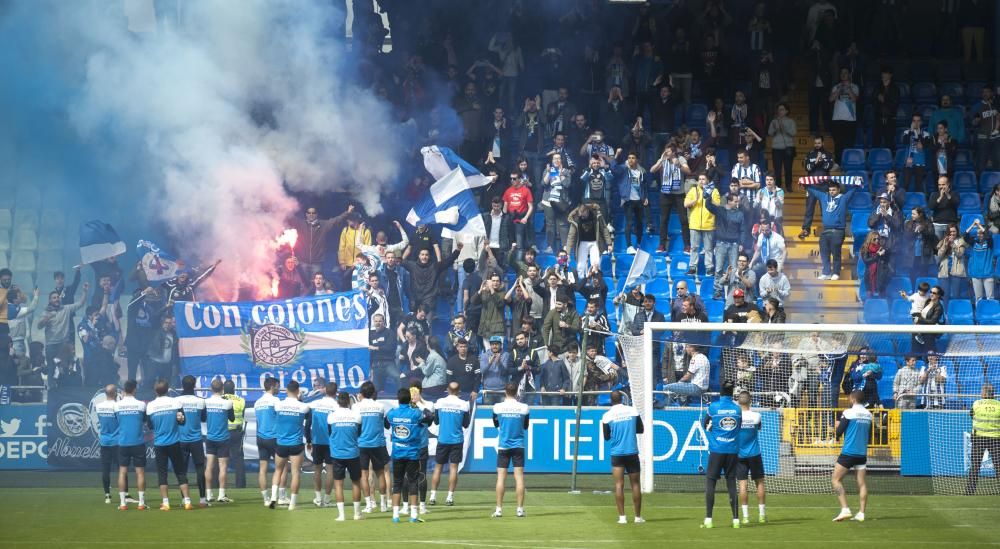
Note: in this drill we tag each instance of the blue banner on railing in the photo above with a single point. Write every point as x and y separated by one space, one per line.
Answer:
680 446
23 442
949 454
299 339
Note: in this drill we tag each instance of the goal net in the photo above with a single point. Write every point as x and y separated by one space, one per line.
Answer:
918 381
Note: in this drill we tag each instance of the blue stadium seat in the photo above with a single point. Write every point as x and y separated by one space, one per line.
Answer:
988 312
538 222
861 202
606 260
959 312
860 229
622 264
696 114
879 159
545 261
904 113
930 280
878 181
904 90
900 161
658 286
963 160
901 312
650 242
968 203
913 200
898 284
965 182
678 264
987 181
924 92
714 309
953 89
926 112
974 91
661 266
876 311
852 159
674 223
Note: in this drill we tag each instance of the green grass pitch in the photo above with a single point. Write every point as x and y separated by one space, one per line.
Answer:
76 516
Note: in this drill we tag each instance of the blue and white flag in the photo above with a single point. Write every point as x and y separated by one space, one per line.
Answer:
642 271
449 202
98 241
441 160
157 264
301 338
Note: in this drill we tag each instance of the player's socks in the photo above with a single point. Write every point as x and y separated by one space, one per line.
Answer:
208 494
282 494
622 519
340 510
746 510
451 497
413 513
383 506
318 500
292 501
423 508
707 523
498 513
107 497
274 492
395 512
520 511
406 508
357 510
433 497
121 498
222 493
762 513
264 494
142 498
860 517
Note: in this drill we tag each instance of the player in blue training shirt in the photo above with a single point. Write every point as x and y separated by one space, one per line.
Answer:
263 410
451 414
344 428
722 424
416 399
622 425
218 413
751 463
107 422
371 446
855 425
292 422
320 409
165 416
404 423
511 418
131 415
192 447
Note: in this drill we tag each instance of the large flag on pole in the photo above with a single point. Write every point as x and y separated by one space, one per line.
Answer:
643 270
439 161
450 203
98 241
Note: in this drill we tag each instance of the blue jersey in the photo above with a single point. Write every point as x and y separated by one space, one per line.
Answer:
856 425
623 427
263 410
372 423
425 428
217 413
321 409
193 407
511 418
750 427
131 415
724 419
452 416
107 420
344 426
291 415
404 423
162 413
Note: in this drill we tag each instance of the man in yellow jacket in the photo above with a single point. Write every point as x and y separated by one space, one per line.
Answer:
350 237
701 223
985 435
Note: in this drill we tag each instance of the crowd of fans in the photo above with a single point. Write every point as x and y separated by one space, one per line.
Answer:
602 139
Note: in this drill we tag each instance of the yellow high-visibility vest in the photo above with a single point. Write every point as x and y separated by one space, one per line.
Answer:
986 418
239 404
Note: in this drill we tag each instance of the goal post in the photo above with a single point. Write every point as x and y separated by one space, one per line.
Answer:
921 441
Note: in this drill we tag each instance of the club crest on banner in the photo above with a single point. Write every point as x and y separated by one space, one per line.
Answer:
273 345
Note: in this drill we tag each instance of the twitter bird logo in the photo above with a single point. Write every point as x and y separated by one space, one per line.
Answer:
9 428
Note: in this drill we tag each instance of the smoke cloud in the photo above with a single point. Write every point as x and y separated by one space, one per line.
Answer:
203 116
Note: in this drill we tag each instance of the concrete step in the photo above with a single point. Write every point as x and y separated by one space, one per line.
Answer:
802 315
836 293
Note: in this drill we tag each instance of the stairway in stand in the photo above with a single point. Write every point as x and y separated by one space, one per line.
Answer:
813 300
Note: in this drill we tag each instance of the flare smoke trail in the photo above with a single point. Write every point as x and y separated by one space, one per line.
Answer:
204 114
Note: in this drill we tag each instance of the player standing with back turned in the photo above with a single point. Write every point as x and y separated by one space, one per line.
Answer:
511 418
722 424
622 424
855 425
751 462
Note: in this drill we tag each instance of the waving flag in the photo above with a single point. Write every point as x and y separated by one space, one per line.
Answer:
449 202
439 161
98 241
157 264
643 270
